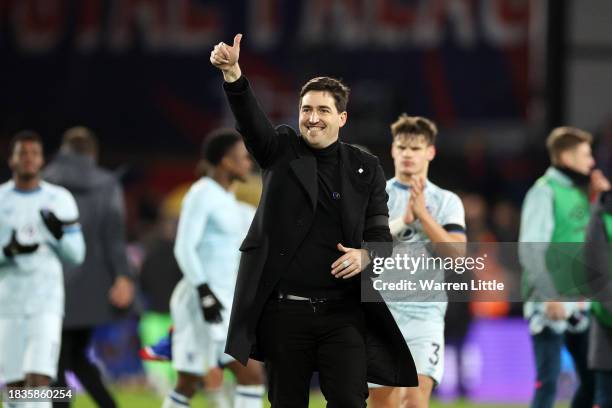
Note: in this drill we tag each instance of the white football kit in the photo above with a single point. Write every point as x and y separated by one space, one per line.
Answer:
211 227
32 285
422 322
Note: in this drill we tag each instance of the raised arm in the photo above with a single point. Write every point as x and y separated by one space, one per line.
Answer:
259 134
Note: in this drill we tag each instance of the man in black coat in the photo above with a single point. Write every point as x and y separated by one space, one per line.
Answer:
297 305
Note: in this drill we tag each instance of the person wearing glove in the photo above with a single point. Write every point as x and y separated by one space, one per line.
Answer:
15 248
38 229
211 226
211 307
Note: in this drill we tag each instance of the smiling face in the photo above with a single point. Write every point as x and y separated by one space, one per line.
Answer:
411 156
320 121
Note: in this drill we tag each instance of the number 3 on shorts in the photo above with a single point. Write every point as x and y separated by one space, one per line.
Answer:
435 358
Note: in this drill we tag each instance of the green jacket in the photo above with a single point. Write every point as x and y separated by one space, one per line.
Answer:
554 217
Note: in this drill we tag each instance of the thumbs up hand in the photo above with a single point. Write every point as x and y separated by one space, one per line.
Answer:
225 57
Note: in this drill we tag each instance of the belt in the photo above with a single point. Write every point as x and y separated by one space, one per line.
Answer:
313 301
287 296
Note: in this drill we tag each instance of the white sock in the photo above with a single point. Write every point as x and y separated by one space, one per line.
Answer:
175 400
219 398
38 404
249 396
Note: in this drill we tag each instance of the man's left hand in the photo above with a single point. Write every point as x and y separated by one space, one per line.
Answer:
121 293
351 263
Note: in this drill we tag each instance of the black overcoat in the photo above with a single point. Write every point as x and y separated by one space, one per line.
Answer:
285 213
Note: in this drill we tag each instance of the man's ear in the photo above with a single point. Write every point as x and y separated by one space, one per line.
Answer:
343 118
225 162
431 152
564 158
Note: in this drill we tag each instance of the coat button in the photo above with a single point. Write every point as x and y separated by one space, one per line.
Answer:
299 222
282 253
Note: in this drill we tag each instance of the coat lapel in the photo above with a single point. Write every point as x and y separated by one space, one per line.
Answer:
352 193
305 169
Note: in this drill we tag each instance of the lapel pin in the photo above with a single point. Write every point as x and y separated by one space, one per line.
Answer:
360 170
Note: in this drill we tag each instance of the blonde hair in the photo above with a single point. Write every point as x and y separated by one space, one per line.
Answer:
415 126
565 138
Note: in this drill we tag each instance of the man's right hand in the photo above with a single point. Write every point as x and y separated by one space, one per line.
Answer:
555 310
211 306
15 248
225 58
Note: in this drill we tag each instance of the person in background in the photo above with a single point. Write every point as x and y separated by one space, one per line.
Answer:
419 211
101 289
598 259
211 225
556 212
38 228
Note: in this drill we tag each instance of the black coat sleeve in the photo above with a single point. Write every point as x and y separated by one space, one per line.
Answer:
376 230
596 259
113 231
260 137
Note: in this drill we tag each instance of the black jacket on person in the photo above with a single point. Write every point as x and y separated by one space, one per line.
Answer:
99 197
598 267
284 215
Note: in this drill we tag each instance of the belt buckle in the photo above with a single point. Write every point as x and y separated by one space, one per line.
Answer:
314 301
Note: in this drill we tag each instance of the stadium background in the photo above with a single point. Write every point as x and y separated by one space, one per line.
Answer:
495 75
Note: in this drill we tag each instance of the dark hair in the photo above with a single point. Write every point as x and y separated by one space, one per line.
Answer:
335 87
24 136
218 143
80 140
415 126
565 138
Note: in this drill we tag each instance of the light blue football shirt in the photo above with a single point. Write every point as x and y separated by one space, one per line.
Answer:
447 209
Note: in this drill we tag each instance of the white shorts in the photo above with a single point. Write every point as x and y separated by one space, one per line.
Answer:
197 345
29 345
425 340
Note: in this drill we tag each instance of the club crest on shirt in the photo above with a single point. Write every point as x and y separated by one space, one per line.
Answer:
407 234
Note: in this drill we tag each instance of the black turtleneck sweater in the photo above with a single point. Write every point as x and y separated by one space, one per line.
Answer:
309 272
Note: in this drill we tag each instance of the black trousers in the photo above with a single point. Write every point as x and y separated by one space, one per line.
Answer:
298 338
73 357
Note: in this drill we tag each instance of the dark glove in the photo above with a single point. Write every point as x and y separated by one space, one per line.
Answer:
15 248
54 224
211 307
